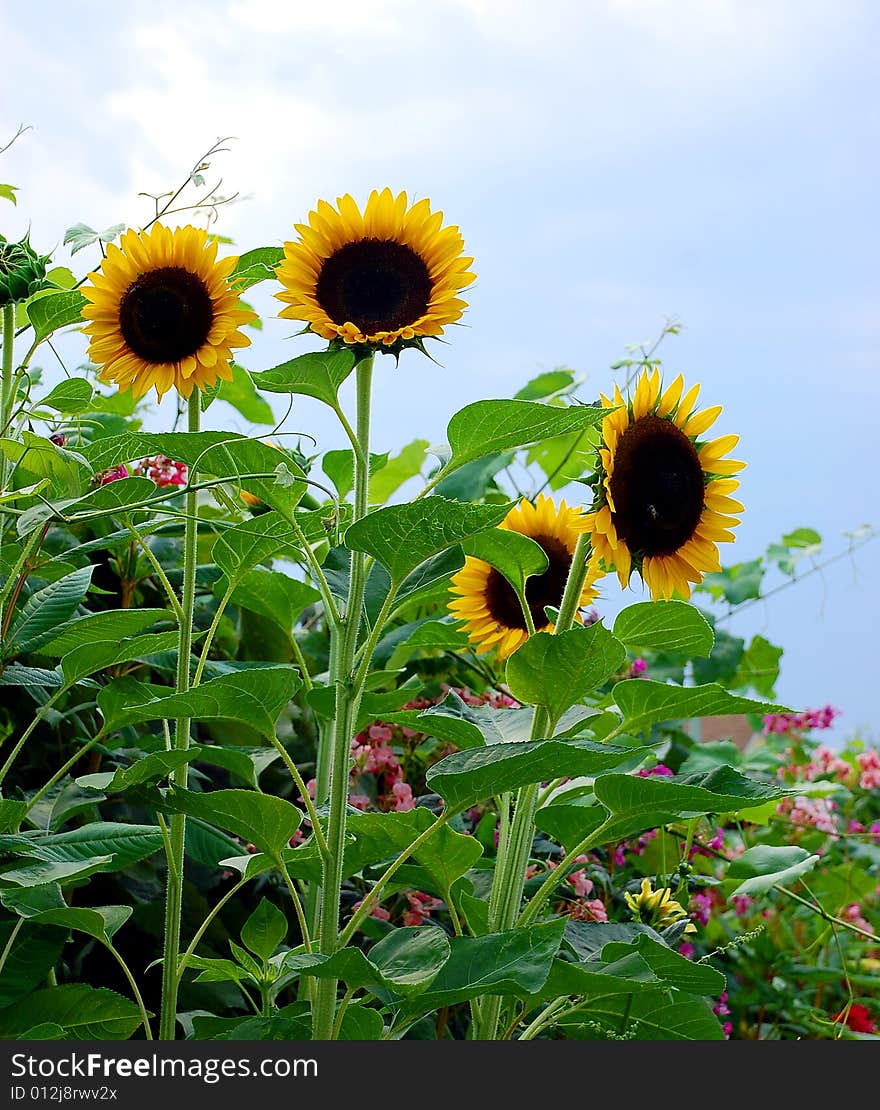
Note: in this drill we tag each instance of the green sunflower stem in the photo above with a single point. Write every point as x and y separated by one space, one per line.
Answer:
510 875
174 895
348 686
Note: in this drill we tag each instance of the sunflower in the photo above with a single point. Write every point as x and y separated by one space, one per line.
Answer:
489 604
657 907
388 277
161 312
663 495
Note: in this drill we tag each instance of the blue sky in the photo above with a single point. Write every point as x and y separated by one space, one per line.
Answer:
611 164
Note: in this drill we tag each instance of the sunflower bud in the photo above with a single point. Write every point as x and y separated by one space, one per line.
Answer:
22 271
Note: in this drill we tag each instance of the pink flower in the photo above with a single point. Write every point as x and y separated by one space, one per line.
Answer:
296 839
421 906
380 733
869 765
359 801
701 907
589 909
162 470
742 903
801 722
659 770
403 797
112 475
687 950
377 911
582 885
312 786
817 813
637 669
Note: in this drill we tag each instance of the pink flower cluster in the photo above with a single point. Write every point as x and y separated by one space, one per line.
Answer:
105 477
162 470
801 722
817 813
721 1009
583 908
869 765
824 765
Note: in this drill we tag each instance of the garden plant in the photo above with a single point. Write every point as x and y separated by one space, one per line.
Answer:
306 743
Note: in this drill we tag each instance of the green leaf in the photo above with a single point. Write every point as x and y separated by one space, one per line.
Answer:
759 869
253 541
515 962
262 819
401 537
671 626
674 970
397 470
409 959
16 675
113 497
255 266
44 871
222 454
339 468
545 385
802 537
45 610
486 427
70 396
123 844
11 813
85 1013
242 395
472 776
318 375
558 671
646 1015
113 624
90 658
7 192
517 557
101 922
36 457
273 595
34 953
264 930
255 697
645 703
81 235
150 768
759 667
55 310
467 726
646 803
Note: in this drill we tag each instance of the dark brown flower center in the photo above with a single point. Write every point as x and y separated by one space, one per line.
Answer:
377 284
541 589
166 314
657 487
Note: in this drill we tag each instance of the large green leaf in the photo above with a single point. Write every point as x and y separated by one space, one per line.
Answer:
645 703
486 427
253 541
226 455
760 868
85 1013
36 457
45 610
672 626
516 962
517 557
14 674
46 905
33 954
54 311
646 803
273 595
262 819
472 776
150 768
646 1016
255 266
467 726
123 844
405 962
558 671
255 697
402 537
318 375
112 624
91 658
671 968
